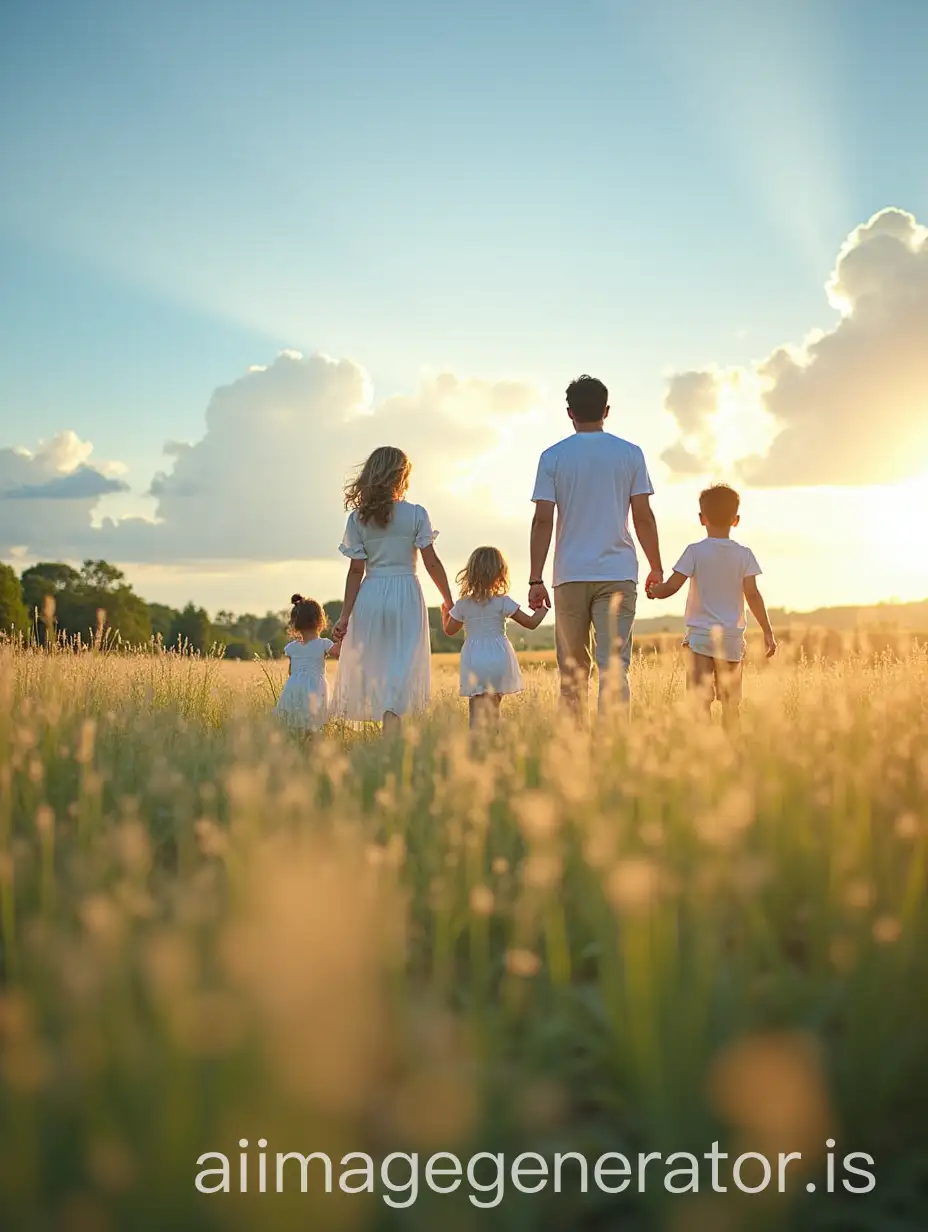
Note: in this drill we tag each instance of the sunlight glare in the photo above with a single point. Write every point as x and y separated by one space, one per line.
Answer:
897 518
741 426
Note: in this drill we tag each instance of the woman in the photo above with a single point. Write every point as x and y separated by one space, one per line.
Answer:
383 631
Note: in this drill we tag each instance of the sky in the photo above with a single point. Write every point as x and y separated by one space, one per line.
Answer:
241 244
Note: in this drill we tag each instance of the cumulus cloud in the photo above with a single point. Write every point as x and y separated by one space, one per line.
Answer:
48 495
264 481
848 405
84 483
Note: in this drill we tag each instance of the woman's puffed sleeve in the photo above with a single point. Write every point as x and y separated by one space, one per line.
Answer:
425 536
352 545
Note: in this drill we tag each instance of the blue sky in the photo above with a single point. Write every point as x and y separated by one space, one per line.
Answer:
523 190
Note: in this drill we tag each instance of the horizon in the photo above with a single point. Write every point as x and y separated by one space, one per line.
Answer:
653 613
232 266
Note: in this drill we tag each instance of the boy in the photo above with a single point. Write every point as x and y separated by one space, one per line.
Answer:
722 575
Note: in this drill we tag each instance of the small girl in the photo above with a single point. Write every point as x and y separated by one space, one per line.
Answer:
489 667
383 630
304 702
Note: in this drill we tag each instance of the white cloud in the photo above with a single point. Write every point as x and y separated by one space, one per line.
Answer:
47 496
264 482
83 483
847 406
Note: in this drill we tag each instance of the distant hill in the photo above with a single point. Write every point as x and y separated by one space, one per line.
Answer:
888 616
912 616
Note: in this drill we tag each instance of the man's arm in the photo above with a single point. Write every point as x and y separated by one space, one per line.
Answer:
539 545
646 529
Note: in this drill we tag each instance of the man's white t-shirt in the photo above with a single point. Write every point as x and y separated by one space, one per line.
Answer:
716 569
591 477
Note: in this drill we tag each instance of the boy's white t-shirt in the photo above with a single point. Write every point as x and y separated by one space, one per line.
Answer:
716 569
591 477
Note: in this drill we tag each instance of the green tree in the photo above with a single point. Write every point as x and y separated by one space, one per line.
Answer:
46 579
91 610
441 643
272 633
127 614
245 627
14 618
48 588
100 575
97 598
192 627
162 619
101 601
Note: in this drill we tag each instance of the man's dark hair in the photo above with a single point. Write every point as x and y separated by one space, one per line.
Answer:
587 399
719 504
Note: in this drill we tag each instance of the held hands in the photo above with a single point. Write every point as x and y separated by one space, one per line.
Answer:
538 597
339 631
654 584
446 618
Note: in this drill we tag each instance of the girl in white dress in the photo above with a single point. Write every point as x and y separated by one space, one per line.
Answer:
385 666
489 667
303 703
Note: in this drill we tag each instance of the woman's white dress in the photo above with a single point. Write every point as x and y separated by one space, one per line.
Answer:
385 659
303 702
488 661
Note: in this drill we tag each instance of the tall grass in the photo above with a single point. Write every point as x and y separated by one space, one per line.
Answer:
643 938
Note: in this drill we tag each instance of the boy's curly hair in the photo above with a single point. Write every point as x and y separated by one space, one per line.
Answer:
383 479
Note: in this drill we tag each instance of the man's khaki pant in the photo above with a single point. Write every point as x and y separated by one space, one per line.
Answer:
600 613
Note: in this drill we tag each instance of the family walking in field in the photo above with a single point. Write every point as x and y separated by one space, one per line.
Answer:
594 482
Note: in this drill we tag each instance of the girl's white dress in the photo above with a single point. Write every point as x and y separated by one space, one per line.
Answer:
488 661
303 702
385 660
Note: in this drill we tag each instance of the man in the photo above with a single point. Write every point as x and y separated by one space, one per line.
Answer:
593 479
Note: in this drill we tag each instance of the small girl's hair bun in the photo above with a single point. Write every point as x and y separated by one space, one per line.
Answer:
296 598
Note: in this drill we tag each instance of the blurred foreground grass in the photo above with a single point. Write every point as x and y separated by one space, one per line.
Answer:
644 939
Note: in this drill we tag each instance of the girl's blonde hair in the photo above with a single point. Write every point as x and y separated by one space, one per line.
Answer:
383 479
485 575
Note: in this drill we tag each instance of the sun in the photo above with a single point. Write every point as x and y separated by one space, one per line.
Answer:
741 426
897 518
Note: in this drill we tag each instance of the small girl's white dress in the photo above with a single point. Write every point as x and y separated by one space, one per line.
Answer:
386 660
304 700
488 661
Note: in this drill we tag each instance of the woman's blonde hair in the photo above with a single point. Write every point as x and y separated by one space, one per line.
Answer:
382 479
485 575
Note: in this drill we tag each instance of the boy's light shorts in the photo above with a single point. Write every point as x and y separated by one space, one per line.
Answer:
724 644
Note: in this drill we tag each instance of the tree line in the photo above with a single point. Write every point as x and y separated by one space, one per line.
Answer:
53 601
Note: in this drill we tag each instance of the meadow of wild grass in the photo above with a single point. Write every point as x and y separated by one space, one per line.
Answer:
641 938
